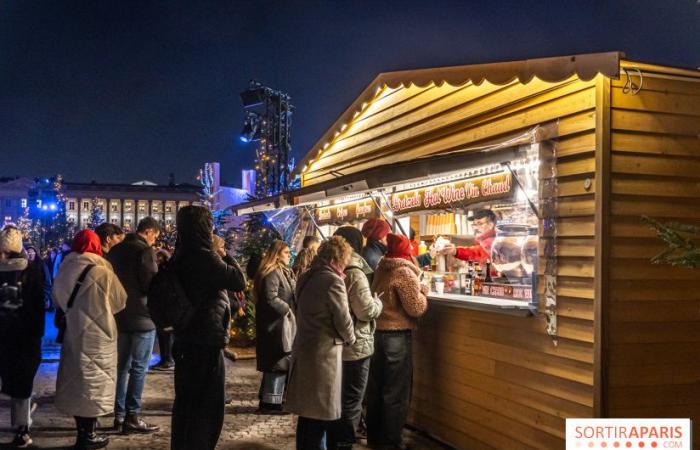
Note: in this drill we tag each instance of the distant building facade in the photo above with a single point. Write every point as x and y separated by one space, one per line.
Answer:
126 204
13 199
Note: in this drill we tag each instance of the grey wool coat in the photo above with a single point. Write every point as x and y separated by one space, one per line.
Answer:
275 300
364 308
324 325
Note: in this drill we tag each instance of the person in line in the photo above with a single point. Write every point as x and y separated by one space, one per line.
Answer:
34 258
375 230
22 285
165 337
110 235
198 410
302 262
364 309
64 251
391 368
484 223
324 326
89 292
274 287
134 263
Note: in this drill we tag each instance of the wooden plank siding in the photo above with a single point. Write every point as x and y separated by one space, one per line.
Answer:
485 380
654 311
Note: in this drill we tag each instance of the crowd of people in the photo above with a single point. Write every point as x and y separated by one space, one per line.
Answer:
333 331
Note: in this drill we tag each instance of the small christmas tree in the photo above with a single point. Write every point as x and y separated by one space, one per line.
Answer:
58 229
682 239
97 215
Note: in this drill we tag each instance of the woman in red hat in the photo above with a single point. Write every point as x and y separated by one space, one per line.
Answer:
396 280
89 293
376 231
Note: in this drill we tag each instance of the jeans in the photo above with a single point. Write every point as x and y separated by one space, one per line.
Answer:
389 388
21 412
313 434
355 377
134 351
165 344
272 387
198 410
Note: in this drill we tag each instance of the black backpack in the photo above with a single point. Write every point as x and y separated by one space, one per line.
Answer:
167 301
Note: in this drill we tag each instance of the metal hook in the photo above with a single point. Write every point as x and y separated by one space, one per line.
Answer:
630 87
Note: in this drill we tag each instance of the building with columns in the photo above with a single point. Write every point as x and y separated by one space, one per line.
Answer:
126 204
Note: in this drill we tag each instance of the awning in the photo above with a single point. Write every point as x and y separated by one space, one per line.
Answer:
381 177
553 69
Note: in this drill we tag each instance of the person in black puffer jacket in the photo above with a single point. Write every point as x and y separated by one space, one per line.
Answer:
22 287
198 410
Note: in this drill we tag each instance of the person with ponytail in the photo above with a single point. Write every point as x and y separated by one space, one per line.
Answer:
274 287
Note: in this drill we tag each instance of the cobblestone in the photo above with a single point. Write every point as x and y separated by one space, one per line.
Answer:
243 428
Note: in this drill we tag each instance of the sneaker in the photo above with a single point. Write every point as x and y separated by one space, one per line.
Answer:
163 366
22 439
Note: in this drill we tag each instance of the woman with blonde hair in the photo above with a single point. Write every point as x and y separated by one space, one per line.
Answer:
325 326
274 287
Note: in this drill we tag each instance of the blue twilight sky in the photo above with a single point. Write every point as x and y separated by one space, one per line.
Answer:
118 91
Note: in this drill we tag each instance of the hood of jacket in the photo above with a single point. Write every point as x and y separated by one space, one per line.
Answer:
194 228
17 262
358 262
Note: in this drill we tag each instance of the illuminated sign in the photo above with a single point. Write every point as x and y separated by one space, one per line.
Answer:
456 194
346 212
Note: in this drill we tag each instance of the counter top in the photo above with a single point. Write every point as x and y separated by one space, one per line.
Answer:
497 305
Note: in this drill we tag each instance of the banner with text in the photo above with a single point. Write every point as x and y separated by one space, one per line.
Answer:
454 195
347 212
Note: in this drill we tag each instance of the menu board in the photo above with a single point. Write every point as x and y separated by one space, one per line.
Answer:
455 194
346 212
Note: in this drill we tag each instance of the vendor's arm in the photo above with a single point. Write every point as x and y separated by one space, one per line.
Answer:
473 253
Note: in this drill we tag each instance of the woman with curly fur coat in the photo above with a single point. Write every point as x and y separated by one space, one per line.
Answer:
391 367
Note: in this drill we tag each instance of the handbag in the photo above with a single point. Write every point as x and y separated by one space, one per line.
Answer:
289 331
60 318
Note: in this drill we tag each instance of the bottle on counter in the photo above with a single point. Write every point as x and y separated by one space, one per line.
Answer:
488 279
422 248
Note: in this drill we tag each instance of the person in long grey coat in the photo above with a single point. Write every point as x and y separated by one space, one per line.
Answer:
324 326
274 295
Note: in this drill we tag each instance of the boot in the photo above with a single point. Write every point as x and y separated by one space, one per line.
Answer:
88 439
134 424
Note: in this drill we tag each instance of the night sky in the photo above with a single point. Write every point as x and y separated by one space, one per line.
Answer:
119 91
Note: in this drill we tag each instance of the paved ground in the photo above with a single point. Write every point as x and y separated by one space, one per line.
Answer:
243 429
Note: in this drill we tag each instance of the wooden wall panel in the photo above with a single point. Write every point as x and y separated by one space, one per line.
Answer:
654 311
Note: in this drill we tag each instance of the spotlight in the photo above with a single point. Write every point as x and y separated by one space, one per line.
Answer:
251 128
253 97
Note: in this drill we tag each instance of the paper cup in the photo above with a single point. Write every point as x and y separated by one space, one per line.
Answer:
440 287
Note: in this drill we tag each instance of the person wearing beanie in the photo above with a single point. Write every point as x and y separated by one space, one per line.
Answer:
364 308
21 329
396 279
375 230
89 293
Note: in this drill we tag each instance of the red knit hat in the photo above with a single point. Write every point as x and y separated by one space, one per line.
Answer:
398 246
375 229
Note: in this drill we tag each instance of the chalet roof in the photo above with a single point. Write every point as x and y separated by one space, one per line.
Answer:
552 69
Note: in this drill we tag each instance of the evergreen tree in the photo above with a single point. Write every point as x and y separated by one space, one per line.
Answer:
97 215
682 240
